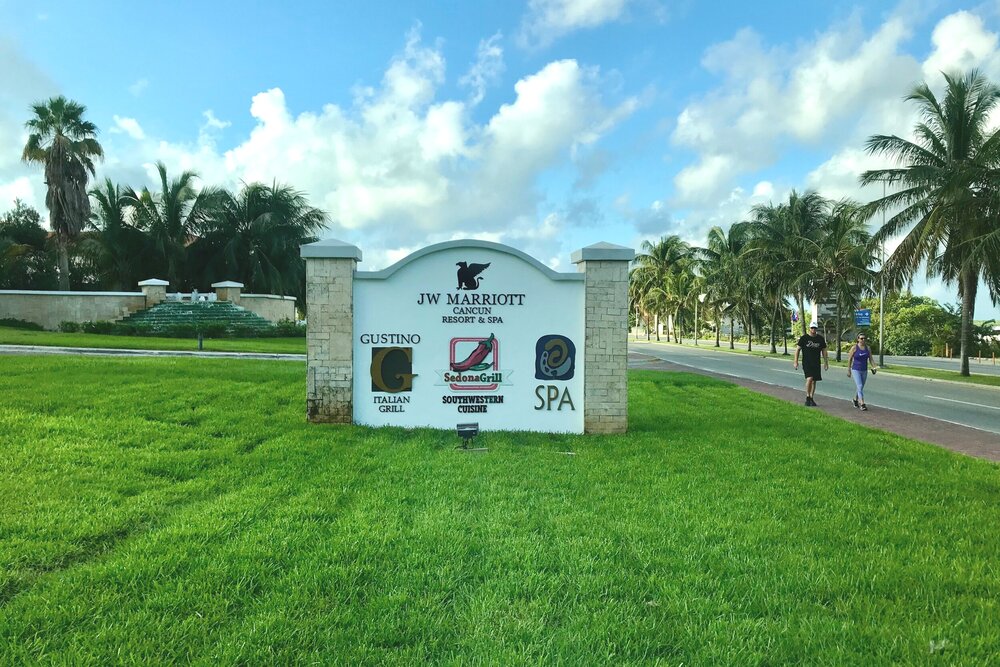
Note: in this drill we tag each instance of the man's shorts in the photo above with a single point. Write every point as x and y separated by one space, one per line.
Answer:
812 370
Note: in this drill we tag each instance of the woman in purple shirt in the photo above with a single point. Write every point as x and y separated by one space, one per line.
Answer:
857 367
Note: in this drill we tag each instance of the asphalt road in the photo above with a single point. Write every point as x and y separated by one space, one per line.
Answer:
967 405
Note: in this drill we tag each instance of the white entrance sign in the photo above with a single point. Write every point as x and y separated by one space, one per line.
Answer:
469 331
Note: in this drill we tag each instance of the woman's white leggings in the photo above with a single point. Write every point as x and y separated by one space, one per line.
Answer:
860 377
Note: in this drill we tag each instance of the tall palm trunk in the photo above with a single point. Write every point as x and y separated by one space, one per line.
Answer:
840 324
657 327
750 329
801 299
732 332
970 284
774 323
718 331
62 248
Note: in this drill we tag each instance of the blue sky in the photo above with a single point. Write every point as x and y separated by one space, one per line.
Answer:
547 125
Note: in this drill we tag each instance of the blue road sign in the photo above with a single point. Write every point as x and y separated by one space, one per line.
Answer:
863 317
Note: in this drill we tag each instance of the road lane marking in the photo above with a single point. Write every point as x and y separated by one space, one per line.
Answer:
978 405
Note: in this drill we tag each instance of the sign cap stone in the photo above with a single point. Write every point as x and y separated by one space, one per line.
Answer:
331 249
603 251
227 283
153 282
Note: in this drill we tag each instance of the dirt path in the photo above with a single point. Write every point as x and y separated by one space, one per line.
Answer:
962 439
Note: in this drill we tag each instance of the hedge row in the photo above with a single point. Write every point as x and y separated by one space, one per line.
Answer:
282 329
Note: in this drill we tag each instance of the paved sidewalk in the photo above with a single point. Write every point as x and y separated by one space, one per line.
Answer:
114 352
962 439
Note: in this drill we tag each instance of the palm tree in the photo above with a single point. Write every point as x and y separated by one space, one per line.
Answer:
773 257
946 192
844 256
118 249
722 262
255 236
170 218
657 261
66 145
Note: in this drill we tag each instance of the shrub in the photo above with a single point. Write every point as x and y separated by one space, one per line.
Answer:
180 331
131 329
289 329
98 327
69 327
214 330
14 323
245 331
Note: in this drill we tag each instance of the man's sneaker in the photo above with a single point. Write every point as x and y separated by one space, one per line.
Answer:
808 401
864 408
856 402
812 402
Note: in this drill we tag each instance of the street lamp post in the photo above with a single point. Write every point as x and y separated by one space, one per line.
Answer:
881 295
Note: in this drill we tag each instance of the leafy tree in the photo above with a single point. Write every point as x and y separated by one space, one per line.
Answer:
25 262
945 192
254 237
65 145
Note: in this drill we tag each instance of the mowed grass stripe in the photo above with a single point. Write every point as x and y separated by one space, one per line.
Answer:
183 510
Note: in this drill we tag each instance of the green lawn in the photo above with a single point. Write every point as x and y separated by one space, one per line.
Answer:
10 336
182 510
763 350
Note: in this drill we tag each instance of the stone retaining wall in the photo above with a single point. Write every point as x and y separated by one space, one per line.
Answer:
50 309
270 306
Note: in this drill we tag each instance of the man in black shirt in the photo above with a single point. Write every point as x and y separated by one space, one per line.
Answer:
811 347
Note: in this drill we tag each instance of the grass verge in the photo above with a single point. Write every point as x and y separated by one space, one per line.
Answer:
10 336
764 353
176 510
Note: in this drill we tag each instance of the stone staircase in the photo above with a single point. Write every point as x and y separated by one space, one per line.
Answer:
167 314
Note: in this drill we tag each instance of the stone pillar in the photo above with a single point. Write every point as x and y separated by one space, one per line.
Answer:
605 384
330 266
155 291
228 290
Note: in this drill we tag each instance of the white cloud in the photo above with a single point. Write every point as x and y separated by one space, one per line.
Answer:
961 42
213 123
486 70
20 188
548 20
129 126
139 87
772 96
402 166
763 190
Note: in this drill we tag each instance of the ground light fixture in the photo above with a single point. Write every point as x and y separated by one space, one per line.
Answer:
467 432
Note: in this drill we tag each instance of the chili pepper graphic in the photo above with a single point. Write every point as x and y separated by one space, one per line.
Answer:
474 361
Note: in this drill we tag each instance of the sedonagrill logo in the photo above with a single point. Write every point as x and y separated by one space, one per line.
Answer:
392 369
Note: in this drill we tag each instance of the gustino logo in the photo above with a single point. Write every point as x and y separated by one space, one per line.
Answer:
392 369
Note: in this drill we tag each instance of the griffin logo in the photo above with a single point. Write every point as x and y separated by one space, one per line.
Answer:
467 275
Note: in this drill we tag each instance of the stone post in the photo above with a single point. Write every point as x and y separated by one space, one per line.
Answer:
228 290
155 291
605 384
330 266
